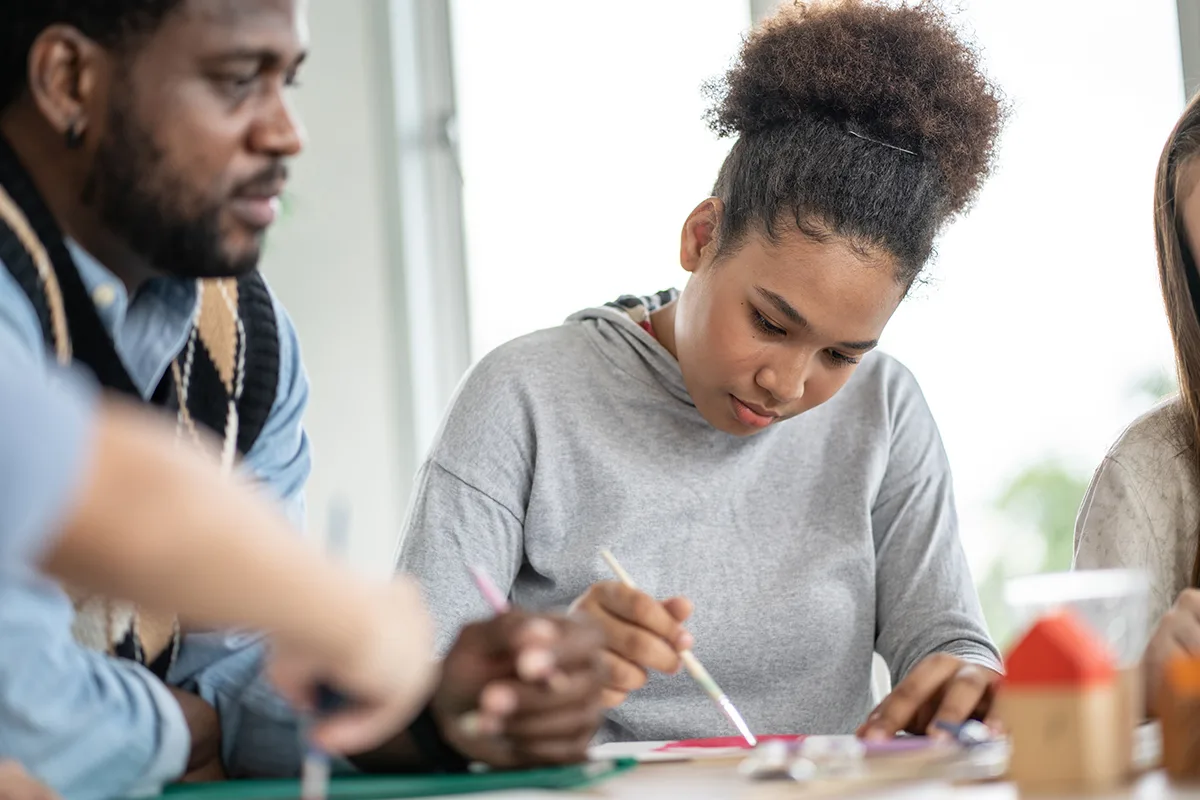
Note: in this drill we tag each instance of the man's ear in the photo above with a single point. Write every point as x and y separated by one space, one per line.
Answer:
65 70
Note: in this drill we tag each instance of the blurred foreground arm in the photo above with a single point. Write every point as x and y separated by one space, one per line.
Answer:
232 560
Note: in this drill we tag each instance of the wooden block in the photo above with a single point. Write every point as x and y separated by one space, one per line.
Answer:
1180 717
1064 710
1063 740
1131 710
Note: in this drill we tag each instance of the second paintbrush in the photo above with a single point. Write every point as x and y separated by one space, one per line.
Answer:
692 664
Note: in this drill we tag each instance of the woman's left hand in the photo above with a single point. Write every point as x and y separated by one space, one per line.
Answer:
941 688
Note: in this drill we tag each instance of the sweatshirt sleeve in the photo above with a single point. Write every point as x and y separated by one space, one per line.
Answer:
1114 531
925 598
469 502
453 525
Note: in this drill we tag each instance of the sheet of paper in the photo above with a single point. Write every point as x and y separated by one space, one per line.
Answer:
730 746
641 751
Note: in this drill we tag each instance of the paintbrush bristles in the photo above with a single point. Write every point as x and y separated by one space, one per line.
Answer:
710 687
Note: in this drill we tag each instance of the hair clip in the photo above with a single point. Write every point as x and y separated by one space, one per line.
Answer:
876 141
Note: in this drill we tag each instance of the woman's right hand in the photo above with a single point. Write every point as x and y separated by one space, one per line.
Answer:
1177 634
640 634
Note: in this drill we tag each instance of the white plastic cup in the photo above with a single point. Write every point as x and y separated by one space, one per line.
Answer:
1115 603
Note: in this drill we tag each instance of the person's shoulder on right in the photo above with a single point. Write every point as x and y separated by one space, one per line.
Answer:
1142 509
1156 442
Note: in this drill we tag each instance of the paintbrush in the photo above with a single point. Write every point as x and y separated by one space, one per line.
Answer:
491 593
314 775
556 681
693 665
495 598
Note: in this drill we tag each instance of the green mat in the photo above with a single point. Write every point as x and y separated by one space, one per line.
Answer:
387 787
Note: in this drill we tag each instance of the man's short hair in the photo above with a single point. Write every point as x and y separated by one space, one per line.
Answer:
115 24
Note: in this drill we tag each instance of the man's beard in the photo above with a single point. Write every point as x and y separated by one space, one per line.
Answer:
143 205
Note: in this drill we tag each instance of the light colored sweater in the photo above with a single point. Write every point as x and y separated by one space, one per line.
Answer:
1142 509
805 547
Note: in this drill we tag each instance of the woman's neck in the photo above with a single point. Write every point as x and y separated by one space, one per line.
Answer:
663 321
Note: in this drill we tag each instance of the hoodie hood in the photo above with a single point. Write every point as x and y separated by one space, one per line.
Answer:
620 329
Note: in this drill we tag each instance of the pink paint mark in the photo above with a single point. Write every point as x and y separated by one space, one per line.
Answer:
722 743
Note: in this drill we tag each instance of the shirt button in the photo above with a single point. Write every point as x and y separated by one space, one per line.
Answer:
104 295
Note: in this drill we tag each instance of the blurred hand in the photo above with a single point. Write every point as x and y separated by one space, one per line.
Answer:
211 772
204 727
1177 634
386 677
941 688
522 690
16 784
640 634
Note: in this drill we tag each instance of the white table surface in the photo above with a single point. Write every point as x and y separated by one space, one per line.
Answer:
719 780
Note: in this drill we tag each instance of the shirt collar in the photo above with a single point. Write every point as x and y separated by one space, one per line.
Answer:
177 297
147 330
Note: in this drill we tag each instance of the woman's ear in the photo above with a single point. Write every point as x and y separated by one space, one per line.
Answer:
699 238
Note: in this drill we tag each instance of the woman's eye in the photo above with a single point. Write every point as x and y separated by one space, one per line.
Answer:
766 326
841 359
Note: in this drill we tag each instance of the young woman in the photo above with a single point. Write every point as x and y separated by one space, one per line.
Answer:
1143 506
738 443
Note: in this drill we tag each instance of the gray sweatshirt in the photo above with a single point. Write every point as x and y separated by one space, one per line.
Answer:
805 547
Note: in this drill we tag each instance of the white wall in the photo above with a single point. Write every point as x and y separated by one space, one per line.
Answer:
332 260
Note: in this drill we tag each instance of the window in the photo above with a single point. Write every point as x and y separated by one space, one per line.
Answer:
583 149
1042 330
